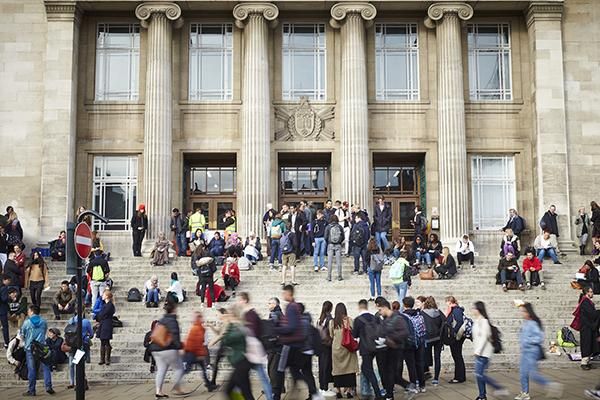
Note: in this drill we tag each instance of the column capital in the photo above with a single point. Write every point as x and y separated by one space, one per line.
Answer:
268 11
339 11
171 10
436 12
544 11
62 11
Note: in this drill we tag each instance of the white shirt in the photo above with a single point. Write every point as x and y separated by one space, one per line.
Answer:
293 222
482 338
177 289
465 248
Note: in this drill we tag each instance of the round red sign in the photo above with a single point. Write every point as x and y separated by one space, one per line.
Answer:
83 240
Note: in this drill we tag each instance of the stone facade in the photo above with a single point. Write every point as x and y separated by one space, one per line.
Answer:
50 116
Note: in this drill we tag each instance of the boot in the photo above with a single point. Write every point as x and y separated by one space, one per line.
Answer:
582 250
102 354
108 350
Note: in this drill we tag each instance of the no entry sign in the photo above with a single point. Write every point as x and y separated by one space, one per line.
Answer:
83 240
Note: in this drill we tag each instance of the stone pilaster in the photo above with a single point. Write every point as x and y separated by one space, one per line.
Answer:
158 18
544 25
352 19
254 164
454 207
60 112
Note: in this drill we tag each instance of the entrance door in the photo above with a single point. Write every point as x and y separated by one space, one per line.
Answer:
304 176
210 184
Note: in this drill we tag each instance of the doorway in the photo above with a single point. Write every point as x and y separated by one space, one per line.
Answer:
210 182
304 176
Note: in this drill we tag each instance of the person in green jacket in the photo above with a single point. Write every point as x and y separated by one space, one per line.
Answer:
400 275
234 339
275 231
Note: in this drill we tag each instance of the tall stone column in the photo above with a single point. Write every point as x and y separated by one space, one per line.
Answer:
60 118
454 206
254 164
352 19
544 25
158 18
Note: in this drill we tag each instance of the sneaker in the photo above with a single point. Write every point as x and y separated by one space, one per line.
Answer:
529 286
327 393
473 266
422 389
324 269
523 396
555 390
522 288
50 391
592 394
557 262
360 272
586 367
412 388
340 278
354 272
543 286
435 382
501 393
295 283
316 269
28 394
328 279
504 288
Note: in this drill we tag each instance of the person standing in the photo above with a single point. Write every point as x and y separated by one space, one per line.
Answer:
318 232
298 227
205 269
36 278
434 322
382 222
590 317
12 270
343 215
276 230
289 253
549 221
344 363
98 270
105 328
139 226
376 261
455 318
334 237
325 361
595 219
230 222
359 237
4 299
179 229
582 227
419 222
87 333
34 329
531 340
400 275
515 222
363 322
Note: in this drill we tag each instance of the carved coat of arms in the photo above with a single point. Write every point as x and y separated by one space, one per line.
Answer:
304 122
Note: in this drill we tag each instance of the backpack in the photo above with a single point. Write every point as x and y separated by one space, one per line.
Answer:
22 372
244 264
496 339
116 322
373 332
286 244
447 334
566 338
134 295
41 352
206 270
466 329
276 231
420 330
70 334
412 340
378 260
336 234
314 339
97 273
358 237
267 334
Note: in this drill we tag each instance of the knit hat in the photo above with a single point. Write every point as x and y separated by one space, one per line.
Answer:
142 208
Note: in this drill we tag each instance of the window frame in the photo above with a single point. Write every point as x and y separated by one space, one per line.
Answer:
220 170
102 91
478 184
295 190
319 90
413 90
505 91
130 181
195 94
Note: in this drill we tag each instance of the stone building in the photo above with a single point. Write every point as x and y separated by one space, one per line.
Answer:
466 108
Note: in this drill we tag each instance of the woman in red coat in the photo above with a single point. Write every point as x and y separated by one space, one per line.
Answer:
231 274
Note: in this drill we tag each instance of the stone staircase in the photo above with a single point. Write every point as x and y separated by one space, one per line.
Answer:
553 305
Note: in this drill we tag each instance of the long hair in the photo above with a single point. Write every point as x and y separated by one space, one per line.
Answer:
480 306
340 314
529 308
40 260
430 303
594 206
325 311
445 253
372 247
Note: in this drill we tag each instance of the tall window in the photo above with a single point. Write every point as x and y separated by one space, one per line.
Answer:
493 188
213 180
489 62
397 61
395 180
117 61
211 53
303 61
303 180
115 190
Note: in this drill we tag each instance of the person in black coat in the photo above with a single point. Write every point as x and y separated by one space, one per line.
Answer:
382 222
4 307
105 327
549 221
54 341
447 266
359 330
139 226
515 222
299 226
590 318
12 270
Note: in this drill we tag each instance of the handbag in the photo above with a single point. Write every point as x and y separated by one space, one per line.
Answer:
576 285
426 275
348 340
161 336
576 323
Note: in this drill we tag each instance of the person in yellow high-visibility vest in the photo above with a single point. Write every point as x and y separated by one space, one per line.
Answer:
197 221
230 223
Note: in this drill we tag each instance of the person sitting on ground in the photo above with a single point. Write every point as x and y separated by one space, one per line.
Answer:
216 246
231 274
547 245
54 341
175 291
15 352
58 247
447 265
64 301
252 248
12 270
195 350
465 251
152 289
509 270
399 245
17 307
596 247
197 240
532 264
510 243
160 252
419 249
590 277
233 246
20 259
434 248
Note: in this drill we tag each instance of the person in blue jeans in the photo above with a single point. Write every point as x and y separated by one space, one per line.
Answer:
179 228
546 245
276 230
152 291
318 231
400 276
86 334
34 329
382 221
376 260
531 341
359 236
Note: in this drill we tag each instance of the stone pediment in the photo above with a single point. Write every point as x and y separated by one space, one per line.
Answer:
304 122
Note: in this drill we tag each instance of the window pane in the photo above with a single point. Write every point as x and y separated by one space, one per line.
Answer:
408 180
396 68
116 167
115 198
381 178
212 180
199 181
492 168
488 71
227 184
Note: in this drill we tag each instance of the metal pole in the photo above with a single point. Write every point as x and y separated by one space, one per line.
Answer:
80 369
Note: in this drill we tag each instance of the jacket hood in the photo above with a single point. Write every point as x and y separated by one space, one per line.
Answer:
432 312
410 311
35 320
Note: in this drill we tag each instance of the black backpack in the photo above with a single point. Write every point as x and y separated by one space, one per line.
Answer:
71 334
496 339
373 331
41 352
358 237
206 270
134 295
116 322
267 334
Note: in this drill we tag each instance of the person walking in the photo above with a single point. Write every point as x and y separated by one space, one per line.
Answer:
289 253
531 340
588 333
344 216
98 270
205 269
344 362
105 329
455 318
376 261
334 236
36 278
167 355
34 330
234 339
139 226
274 351
400 275
179 229
318 230
382 222
195 350
364 322
484 350
325 362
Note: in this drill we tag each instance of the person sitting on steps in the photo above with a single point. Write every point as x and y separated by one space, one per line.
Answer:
532 264
509 270
547 245
446 267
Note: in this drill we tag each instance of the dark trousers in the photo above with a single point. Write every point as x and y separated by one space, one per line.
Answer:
230 283
387 363
67 310
459 363
470 257
4 322
410 358
366 369
325 368
189 359
138 238
240 378
211 288
360 252
215 365
433 355
277 378
299 243
35 289
301 368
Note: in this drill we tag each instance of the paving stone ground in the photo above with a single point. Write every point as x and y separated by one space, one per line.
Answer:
574 379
